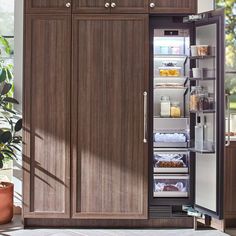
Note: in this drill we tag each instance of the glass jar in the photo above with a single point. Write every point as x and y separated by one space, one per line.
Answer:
193 103
175 111
165 106
203 102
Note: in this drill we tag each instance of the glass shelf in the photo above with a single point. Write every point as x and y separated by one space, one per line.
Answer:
202 79
201 151
201 57
204 111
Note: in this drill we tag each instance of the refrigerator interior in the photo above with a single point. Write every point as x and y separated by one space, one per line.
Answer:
171 159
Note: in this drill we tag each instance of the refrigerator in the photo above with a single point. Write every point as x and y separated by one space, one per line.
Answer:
187 107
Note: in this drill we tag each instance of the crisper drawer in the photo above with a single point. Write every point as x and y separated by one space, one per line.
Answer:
170 162
171 186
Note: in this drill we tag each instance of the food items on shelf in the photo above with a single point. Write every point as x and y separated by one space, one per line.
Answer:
175 111
170 188
169 161
200 50
203 50
193 103
161 186
200 99
165 106
169 72
170 138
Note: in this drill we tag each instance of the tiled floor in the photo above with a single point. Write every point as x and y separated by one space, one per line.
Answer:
16 229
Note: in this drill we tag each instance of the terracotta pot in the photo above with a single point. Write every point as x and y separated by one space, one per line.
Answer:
6 202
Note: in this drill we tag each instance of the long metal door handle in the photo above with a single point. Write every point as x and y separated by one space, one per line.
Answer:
145 117
228 114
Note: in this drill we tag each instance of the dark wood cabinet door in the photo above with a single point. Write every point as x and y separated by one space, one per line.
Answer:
230 183
129 6
91 6
110 75
46 157
173 6
48 6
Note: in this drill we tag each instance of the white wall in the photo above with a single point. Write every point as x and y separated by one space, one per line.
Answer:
205 5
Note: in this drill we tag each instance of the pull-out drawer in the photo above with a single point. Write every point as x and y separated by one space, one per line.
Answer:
170 162
171 186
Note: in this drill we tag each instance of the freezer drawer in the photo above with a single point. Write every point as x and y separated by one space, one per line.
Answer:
171 186
170 162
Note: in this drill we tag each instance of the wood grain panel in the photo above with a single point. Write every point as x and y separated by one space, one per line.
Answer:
170 223
90 6
47 6
230 183
47 116
127 6
174 6
110 74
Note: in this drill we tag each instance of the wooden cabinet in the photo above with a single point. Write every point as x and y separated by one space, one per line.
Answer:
230 183
127 6
46 155
173 6
91 6
48 6
110 75
110 6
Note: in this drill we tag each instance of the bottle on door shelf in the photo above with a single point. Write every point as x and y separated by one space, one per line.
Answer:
201 137
165 106
194 98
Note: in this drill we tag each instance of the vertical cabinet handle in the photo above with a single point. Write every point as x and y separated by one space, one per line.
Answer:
152 4
68 4
145 117
107 5
113 5
228 121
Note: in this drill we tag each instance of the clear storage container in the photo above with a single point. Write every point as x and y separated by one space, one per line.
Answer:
171 186
170 162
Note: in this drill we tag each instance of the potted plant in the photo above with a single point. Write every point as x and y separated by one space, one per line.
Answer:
10 125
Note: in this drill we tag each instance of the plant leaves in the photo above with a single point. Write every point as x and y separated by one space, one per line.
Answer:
5 137
6 45
10 100
1 164
9 74
17 148
6 88
8 110
18 125
3 75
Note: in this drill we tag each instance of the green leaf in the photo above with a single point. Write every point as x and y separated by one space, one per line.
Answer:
5 44
5 137
1 164
10 100
9 110
9 74
3 75
18 125
9 153
6 88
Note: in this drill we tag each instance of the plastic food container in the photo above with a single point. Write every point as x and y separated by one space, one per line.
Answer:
203 50
203 73
170 162
171 186
169 71
194 51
